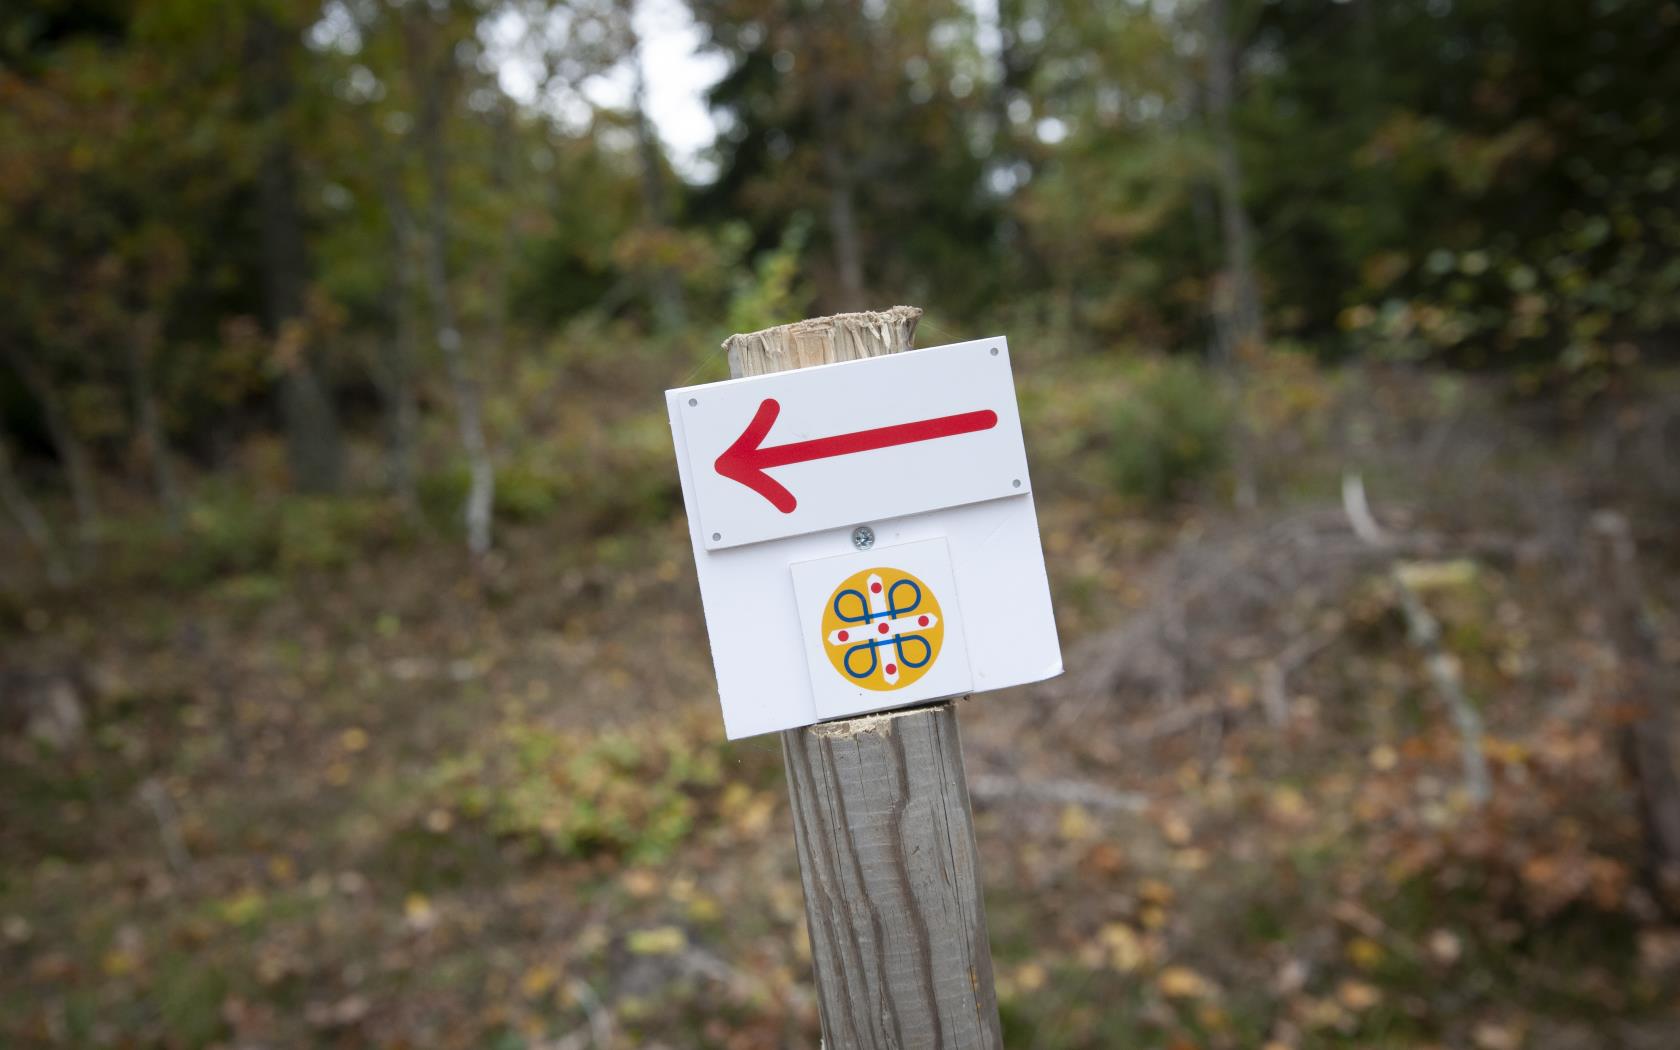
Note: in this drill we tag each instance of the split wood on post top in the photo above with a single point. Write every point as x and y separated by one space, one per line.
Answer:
822 341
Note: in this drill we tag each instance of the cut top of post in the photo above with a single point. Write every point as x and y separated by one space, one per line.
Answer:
822 341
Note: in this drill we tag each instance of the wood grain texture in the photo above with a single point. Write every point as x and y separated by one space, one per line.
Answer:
892 882
881 815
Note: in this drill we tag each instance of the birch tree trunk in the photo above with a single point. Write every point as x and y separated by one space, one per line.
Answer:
430 74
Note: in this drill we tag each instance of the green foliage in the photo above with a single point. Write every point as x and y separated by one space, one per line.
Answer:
635 794
1171 432
232 534
771 292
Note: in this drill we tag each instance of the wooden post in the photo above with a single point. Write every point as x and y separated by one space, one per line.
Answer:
881 815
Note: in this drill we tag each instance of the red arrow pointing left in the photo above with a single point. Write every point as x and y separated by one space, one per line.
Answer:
747 460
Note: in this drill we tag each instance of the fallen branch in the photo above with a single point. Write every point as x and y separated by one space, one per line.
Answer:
600 1019
1274 673
1647 729
1424 632
156 797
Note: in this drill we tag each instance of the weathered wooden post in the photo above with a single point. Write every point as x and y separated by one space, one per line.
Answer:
881 815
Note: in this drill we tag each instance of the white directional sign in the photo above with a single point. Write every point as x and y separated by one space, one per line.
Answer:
864 535
799 451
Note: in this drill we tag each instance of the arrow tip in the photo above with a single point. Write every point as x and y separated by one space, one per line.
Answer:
741 460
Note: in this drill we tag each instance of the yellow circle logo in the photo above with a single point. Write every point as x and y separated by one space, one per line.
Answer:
882 629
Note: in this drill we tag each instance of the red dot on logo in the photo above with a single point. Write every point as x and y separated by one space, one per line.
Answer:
875 587
842 636
883 628
922 620
892 668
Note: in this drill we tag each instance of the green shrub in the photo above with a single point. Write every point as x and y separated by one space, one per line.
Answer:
230 533
633 792
1171 433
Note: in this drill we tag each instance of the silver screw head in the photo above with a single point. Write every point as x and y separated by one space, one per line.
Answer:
863 537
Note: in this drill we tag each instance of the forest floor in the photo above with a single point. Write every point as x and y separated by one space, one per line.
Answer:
393 802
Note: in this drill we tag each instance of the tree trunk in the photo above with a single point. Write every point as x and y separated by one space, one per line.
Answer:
154 444
1239 299
400 349
28 517
502 169
71 453
429 74
839 176
1238 331
312 435
842 220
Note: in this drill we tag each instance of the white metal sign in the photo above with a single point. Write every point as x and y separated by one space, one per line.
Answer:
794 452
923 449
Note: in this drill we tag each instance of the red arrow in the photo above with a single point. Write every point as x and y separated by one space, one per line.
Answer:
745 461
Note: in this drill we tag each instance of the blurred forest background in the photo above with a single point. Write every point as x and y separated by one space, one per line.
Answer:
353 690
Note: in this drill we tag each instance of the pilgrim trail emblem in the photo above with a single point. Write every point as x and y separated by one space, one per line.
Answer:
882 629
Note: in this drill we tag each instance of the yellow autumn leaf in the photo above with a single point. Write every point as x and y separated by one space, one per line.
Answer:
1322 1013
1176 829
1365 953
659 940
702 908
538 979
418 911
242 908
1075 824
1437 575
640 883
1155 891
1192 859
119 963
1357 996
1181 982
1287 804
1123 946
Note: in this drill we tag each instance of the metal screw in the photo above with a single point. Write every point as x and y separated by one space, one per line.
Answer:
994 354
863 537
716 536
1017 482
692 402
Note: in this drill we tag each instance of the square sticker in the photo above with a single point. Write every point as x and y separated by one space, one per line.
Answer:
882 628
